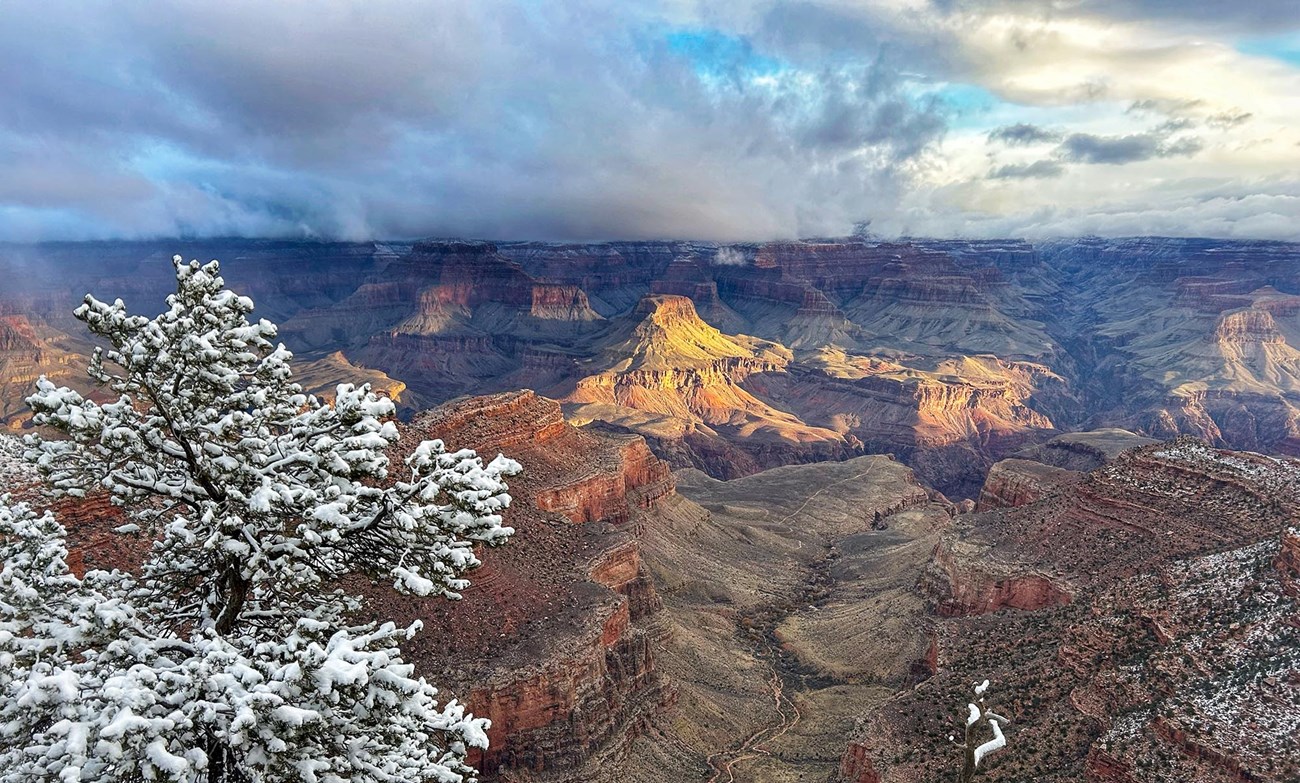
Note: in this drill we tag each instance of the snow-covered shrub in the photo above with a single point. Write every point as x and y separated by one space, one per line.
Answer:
230 656
975 750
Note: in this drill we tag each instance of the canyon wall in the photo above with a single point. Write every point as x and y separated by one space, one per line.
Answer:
949 354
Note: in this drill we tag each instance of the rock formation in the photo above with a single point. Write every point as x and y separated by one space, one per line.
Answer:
675 378
555 641
949 354
1171 660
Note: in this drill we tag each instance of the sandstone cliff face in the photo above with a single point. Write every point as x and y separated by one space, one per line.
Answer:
26 355
555 641
959 585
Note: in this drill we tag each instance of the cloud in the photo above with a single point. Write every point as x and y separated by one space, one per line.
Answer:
471 118
1119 150
1215 15
1228 119
730 256
737 120
1023 133
1039 169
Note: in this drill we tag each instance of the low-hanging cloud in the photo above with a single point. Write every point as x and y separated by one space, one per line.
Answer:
1119 150
1039 169
406 119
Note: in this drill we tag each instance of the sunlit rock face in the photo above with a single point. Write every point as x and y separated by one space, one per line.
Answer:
950 355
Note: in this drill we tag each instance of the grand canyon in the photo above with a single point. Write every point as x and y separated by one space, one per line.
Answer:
784 503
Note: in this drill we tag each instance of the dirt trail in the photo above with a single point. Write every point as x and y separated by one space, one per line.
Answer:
785 672
786 675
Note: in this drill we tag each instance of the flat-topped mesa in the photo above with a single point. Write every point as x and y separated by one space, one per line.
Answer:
508 422
556 302
668 310
668 335
1084 451
1250 325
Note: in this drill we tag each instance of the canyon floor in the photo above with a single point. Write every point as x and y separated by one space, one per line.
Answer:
790 616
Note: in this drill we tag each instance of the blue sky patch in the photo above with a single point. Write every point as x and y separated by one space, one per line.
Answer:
714 53
1278 47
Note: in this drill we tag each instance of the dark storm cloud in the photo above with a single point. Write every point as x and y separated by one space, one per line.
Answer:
579 120
1022 134
1039 169
1118 150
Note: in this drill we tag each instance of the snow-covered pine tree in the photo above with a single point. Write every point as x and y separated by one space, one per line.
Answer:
231 655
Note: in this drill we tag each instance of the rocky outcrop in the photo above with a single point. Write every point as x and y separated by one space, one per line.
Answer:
1084 451
591 478
856 766
958 584
561 303
1248 325
555 641
1018 482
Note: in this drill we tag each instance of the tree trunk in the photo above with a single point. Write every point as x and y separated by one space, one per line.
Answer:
235 588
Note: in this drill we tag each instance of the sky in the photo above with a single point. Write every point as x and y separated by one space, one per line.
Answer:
716 120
